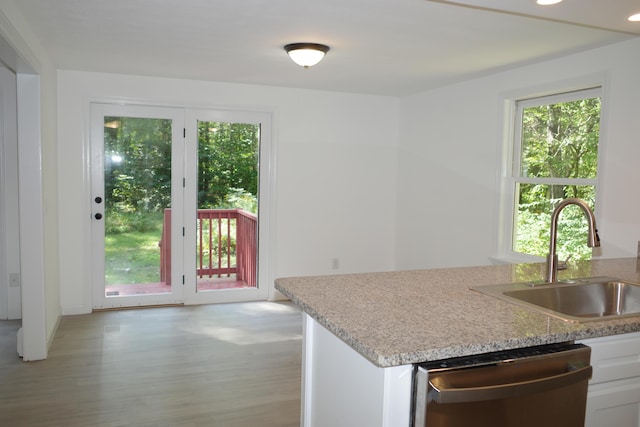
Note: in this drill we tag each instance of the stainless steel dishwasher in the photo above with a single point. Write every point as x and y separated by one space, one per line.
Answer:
535 386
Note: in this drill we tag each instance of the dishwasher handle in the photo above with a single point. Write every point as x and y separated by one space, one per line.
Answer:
503 391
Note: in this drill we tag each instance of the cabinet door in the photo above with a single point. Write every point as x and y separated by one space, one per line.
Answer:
615 358
615 403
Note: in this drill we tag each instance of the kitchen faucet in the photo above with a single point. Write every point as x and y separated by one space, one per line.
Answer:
593 240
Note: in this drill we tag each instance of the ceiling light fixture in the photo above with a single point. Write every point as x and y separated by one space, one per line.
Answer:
547 2
306 54
634 18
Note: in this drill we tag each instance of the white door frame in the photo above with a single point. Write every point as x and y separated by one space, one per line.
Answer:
267 197
10 294
18 56
34 322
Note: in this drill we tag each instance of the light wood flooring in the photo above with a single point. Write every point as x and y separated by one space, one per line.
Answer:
226 365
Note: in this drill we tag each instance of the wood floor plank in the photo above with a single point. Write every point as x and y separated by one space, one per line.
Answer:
226 365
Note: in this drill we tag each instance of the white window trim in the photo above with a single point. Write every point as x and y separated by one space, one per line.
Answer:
509 171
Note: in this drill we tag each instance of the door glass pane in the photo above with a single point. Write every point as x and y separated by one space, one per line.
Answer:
137 180
227 197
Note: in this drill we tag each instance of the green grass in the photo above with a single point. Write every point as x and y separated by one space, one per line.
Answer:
132 254
132 257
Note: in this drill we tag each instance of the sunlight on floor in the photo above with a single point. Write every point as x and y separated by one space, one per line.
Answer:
256 308
243 337
249 336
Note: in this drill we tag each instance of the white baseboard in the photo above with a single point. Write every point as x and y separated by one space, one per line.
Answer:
69 311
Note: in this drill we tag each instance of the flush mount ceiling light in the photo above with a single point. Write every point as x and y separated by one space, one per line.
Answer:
634 18
306 54
547 2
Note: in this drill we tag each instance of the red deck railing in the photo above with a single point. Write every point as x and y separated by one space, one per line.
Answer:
226 244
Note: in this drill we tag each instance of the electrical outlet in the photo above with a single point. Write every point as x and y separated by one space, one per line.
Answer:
335 263
14 280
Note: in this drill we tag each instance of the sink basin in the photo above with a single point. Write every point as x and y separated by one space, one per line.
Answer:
576 300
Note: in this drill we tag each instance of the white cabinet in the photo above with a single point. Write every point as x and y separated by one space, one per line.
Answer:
614 389
340 388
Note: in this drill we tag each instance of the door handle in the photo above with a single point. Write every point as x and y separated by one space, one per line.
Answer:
98 215
442 394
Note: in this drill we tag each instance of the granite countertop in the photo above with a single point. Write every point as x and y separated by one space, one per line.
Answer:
405 317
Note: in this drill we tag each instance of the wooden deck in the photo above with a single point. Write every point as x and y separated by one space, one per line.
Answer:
226 254
227 244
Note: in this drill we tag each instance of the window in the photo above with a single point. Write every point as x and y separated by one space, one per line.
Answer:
555 156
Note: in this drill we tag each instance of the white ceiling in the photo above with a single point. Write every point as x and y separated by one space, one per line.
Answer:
387 47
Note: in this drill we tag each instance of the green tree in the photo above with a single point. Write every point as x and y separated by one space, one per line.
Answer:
138 166
227 162
558 141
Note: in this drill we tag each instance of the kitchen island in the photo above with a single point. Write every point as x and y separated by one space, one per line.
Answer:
364 331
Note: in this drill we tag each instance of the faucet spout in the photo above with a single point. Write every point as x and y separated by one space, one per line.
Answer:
593 240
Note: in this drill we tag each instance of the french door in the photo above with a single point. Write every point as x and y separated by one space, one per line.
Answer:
177 205
226 154
137 168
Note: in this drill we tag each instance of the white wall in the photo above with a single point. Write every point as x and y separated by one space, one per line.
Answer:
449 159
335 171
349 166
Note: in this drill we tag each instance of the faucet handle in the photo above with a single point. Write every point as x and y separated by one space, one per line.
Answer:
562 265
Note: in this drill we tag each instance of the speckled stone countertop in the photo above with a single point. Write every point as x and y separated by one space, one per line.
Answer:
405 317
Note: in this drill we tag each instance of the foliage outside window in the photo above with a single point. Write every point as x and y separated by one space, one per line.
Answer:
137 181
228 165
137 173
138 169
555 157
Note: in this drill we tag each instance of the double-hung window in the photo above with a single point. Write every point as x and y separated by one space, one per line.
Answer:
555 156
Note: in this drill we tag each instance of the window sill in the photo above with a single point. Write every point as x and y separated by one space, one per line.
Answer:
515 259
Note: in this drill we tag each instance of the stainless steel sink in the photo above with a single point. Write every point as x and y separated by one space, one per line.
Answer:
576 300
